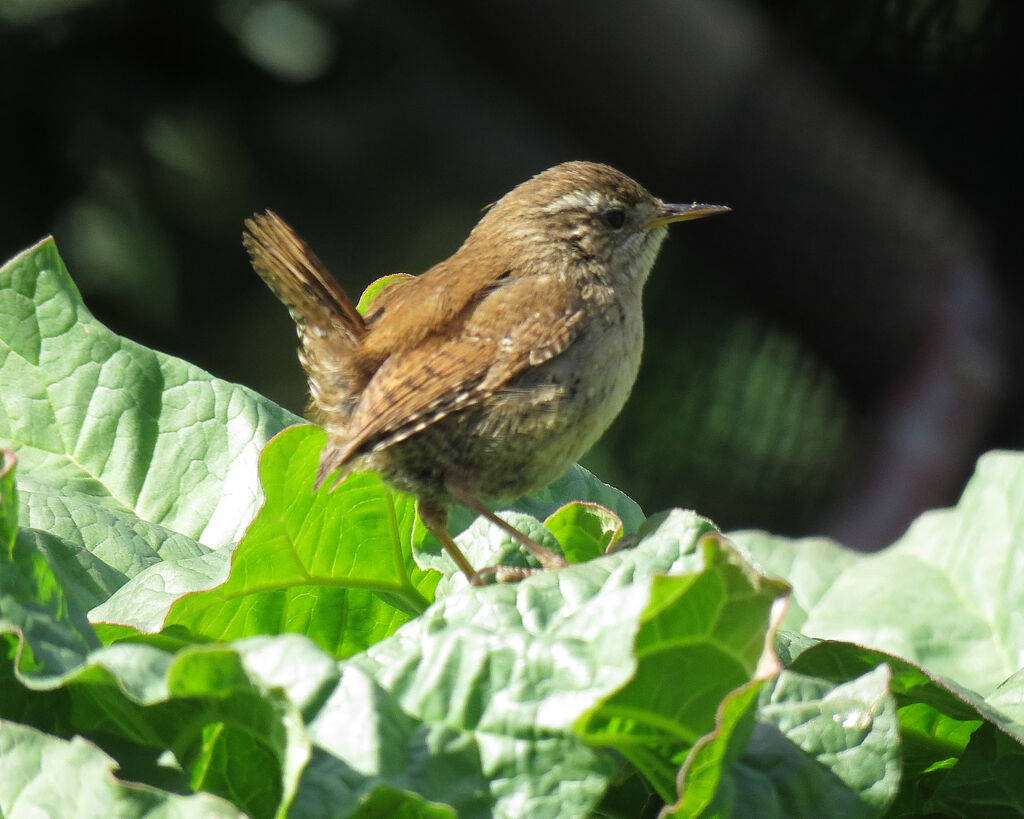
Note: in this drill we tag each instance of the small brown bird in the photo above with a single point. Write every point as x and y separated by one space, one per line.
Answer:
492 373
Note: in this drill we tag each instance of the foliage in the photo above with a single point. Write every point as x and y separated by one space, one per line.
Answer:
194 636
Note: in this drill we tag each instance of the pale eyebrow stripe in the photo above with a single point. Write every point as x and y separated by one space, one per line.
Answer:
574 200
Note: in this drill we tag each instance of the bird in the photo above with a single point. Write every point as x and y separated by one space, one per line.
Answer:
488 376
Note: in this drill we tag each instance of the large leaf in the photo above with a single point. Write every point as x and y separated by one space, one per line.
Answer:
127 457
941 608
341 567
473 704
941 724
47 776
536 677
137 476
947 595
231 716
51 633
820 743
336 566
700 634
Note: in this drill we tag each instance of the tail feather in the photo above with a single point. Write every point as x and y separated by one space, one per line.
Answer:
330 328
298 278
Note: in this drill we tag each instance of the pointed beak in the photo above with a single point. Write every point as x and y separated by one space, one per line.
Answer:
668 213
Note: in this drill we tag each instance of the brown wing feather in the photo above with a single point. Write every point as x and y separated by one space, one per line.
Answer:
404 317
417 387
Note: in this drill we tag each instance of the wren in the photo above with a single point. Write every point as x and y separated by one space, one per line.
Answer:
489 375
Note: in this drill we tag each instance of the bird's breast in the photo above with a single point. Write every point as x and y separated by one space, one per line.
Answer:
549 416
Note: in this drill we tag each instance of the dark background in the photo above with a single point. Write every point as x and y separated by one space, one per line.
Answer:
831 357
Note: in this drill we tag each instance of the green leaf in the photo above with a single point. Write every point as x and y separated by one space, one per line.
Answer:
704 777
137 476
370 755
941 607
987 778
938 720
580 485
230 715
701 633
817 744
47 776
39 630
1008 699
127 457
584 530
8 502
528 673
378 286
335 566
955 573
49 633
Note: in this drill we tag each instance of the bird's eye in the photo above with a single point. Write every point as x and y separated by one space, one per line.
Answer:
614 217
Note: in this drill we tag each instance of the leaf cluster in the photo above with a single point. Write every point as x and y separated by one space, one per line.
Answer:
196 636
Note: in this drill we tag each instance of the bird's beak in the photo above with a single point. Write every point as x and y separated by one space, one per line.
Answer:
668 213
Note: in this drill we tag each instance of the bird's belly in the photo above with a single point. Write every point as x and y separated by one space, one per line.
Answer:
545 420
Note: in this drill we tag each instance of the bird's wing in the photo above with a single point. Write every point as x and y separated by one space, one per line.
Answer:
417 387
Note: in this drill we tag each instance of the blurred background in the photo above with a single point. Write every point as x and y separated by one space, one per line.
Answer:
829 358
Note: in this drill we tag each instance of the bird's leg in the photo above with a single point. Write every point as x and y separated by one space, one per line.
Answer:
435 518
548 558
